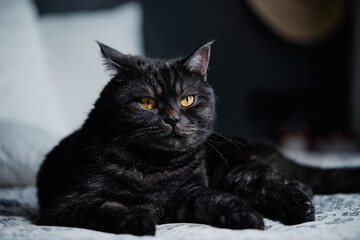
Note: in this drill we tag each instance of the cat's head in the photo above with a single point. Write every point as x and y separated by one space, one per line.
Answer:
163 104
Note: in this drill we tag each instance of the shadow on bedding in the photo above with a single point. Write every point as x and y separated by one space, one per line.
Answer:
14 208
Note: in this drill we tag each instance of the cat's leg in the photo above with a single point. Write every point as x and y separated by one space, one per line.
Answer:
91 212
203 205
269 193
271 156
244 172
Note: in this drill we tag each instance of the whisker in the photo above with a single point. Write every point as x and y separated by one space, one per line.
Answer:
218 152
233 142
129 136
192 147
212 140
230 140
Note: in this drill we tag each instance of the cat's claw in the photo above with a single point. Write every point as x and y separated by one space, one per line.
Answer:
255 221
241 220
137 225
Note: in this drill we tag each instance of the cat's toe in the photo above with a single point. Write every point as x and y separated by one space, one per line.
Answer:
137 225
299 212
242 220
255 221
307 211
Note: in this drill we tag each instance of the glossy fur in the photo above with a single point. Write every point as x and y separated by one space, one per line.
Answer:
128 168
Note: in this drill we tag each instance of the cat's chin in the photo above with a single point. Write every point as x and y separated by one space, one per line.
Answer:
171 143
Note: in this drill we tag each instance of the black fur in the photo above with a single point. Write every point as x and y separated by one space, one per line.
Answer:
128 168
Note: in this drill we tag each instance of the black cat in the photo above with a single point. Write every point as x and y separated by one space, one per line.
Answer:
147 155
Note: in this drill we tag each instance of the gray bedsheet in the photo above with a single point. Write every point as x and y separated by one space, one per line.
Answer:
337 217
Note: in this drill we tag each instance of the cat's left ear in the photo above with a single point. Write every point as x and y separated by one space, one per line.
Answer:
113 58
199 61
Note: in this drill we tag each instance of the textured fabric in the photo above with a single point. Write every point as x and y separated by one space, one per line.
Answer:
27 93
22 149
337 217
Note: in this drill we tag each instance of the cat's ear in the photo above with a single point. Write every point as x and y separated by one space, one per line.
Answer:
199 61
112 57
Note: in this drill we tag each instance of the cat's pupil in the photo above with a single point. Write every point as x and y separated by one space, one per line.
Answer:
148 102
187 99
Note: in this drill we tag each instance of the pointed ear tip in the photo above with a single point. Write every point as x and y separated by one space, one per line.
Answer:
101 45
209 43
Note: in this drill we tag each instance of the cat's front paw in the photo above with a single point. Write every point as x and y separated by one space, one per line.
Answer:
243 220
137 225
301 212
298 208
240 219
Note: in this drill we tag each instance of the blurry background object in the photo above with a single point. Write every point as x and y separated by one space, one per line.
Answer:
22 149
267 78
355 86
51 73
283 70
301 21
73 55
27 93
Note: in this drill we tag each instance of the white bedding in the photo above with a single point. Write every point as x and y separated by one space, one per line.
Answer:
337 217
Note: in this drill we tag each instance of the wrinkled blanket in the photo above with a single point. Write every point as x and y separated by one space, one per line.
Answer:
337 217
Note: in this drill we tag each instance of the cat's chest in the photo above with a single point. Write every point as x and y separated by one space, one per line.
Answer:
157 188
146 173
158 181
143 175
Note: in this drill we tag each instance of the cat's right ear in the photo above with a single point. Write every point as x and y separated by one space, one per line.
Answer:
112 57
198 62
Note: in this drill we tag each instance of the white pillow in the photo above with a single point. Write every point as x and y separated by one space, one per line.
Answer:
22 150
27 94
74 57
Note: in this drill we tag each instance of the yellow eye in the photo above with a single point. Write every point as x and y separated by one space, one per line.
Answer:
148 103
187 101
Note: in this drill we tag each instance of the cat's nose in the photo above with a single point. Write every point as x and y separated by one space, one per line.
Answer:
172 121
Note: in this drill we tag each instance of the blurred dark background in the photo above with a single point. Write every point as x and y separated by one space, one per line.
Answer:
271 84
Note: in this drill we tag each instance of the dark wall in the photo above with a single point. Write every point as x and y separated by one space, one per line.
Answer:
263 82
62 6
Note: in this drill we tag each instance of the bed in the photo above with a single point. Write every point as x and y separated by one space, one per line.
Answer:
337 217
22 149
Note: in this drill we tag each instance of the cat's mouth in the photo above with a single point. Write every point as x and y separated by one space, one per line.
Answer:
173 133
172 138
